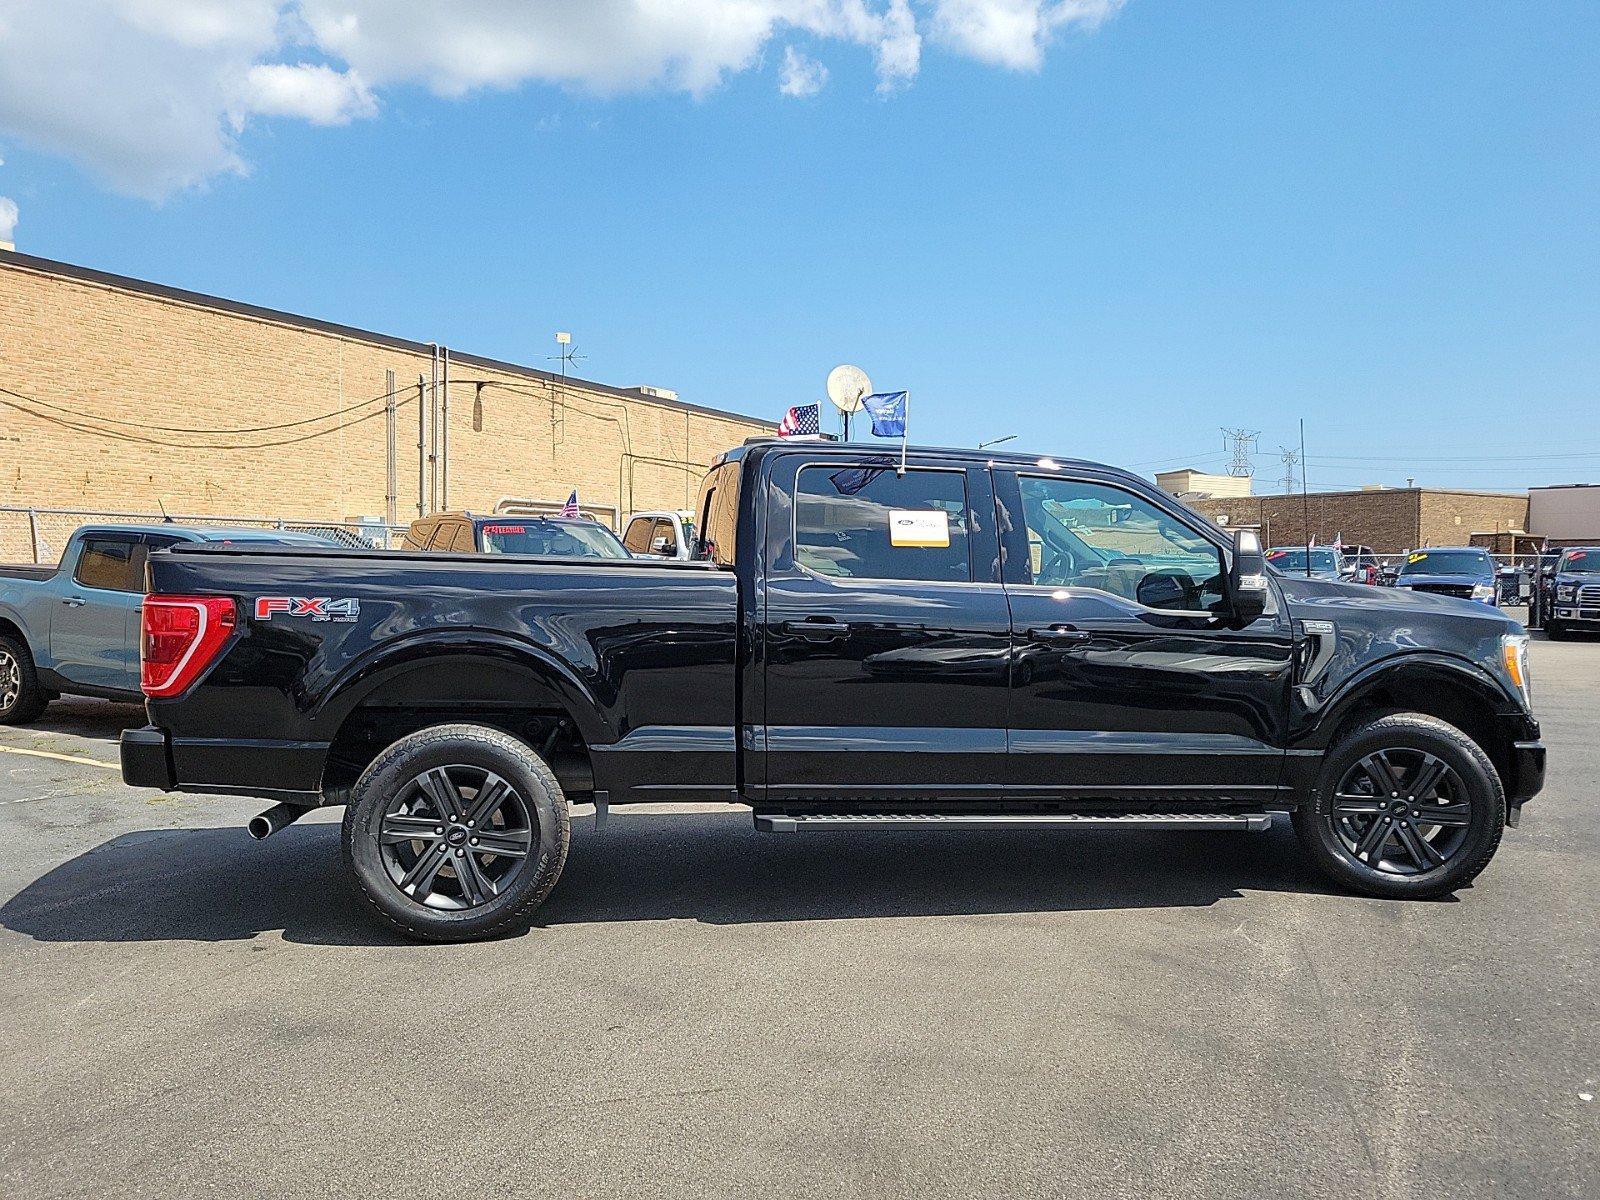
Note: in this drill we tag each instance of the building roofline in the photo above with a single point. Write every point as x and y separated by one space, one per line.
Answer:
1387 491
161 291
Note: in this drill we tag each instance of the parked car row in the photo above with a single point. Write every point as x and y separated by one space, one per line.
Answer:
1465 572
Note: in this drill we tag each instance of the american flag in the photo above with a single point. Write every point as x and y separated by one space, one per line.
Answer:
801 420
570 508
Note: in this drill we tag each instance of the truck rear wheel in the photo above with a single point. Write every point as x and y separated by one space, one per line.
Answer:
22 697
455 833
1406 807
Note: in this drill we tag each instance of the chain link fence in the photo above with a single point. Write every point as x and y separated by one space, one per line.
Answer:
38 535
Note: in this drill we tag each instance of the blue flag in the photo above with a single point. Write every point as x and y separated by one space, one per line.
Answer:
888 412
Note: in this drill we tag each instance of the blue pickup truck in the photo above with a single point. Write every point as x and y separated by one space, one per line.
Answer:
74 628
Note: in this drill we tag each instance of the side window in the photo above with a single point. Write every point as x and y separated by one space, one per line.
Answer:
870 523
719 515
637 539
1095 536
463 539
110 564
443 533
417 536
664 540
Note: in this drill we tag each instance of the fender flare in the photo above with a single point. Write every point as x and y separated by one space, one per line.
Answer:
1444 668
383 665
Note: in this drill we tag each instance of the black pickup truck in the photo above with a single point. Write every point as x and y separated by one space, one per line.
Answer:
975 640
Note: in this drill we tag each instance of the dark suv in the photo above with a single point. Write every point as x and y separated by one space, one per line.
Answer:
1573 599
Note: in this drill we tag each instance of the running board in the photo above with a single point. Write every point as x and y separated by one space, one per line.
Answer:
780 822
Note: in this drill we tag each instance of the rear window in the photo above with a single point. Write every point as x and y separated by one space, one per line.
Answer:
550 539
111 564
872 523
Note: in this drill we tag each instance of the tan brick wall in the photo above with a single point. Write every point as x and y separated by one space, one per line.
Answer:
1389 521
104 353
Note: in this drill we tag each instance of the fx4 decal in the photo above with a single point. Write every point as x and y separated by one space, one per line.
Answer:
318 608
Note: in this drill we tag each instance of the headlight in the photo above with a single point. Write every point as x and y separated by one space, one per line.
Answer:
1514 654
1483 591
1566 591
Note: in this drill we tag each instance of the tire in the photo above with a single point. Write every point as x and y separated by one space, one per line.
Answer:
22 697
428 784
1334 825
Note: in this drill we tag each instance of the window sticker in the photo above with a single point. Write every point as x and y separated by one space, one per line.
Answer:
919 527
1415 558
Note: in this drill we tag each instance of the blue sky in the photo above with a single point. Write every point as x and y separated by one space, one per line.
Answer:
1381 217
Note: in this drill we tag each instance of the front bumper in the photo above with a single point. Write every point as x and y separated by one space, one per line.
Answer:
147 759
1527 772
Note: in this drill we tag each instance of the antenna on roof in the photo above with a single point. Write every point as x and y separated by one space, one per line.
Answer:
166 517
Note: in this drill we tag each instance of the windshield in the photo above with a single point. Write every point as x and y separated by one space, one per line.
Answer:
1447 562
551 539
1580 562
1290 559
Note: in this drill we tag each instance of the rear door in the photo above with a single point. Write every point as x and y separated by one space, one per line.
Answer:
1127 682
885 635
91 632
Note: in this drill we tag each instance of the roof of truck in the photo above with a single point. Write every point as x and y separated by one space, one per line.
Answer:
891 452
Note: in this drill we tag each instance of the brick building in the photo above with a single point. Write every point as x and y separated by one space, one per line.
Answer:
121 394
1387 519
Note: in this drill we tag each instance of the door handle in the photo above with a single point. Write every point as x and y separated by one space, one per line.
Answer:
1059 633
816 630
73 602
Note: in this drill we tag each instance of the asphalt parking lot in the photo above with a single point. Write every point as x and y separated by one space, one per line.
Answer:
703 1010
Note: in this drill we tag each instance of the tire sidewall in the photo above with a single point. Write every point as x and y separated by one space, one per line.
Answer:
1486 795
31 698
445 746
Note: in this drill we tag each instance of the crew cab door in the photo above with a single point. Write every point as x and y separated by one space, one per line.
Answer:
93 631
1126 683
885 634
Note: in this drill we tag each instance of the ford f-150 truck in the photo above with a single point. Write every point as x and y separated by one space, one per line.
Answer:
74 627
973 640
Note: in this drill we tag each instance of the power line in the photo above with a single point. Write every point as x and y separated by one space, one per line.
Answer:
79 426
338 412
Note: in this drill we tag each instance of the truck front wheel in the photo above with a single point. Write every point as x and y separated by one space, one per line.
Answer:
456 832
22 697
1406 807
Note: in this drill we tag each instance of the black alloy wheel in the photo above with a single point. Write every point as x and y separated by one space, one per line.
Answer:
1402 811
456 836
456 832
22 697
1406 807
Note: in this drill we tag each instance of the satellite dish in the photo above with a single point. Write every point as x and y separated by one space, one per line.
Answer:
846 386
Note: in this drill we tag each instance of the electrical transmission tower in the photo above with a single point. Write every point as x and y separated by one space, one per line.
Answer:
1240 442
1290 459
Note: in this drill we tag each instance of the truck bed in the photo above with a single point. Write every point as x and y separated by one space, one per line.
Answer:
37 573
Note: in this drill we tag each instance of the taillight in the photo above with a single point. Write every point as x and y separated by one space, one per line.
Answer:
182 635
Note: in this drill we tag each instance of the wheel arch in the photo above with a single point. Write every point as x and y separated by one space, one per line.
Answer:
1458 693
488 679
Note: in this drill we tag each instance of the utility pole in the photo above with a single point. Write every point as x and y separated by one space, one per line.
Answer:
1240 442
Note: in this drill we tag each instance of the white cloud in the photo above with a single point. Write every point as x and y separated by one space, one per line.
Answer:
1013 33
800 75
153 96
8 219
313 93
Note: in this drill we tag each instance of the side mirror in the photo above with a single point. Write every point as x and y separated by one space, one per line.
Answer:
1247 578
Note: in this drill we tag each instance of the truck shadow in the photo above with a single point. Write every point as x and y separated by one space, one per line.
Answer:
95 720
217 885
